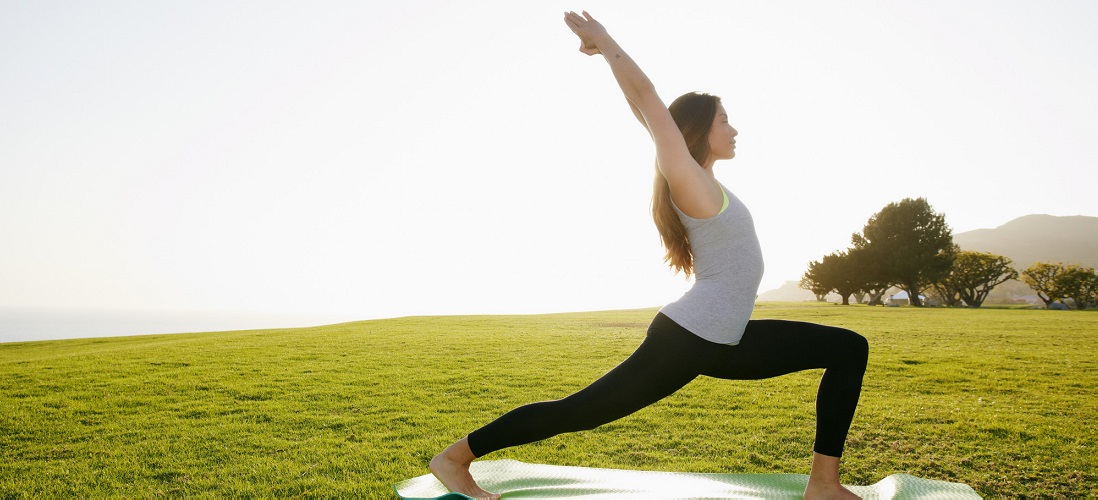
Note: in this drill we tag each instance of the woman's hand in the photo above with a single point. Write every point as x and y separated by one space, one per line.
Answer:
587 29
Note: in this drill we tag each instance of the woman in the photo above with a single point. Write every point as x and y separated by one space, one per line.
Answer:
707 232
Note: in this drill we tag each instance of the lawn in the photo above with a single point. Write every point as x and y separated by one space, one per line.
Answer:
1000 399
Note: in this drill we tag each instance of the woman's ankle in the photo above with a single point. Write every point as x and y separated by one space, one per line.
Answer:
825 469
459 452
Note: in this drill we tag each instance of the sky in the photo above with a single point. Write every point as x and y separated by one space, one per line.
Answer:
368 159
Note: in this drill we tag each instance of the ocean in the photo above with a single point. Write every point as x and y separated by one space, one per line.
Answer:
32 324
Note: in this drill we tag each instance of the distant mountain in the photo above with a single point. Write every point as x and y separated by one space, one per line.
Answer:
1033 238
788 292
791 291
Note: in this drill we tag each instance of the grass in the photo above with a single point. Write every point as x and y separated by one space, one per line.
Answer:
1002 400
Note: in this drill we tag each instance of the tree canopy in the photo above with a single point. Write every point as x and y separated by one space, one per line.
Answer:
1054 281
910 243
973 276
1079 284
839 272
1041 277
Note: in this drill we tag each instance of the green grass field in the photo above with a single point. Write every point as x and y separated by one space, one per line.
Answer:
1002 400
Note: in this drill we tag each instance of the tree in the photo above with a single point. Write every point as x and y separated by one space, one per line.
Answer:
934 293
808 282
1077 283
872 274
945 291
838 272
1041 277
973 276
844 270
909 244
875 293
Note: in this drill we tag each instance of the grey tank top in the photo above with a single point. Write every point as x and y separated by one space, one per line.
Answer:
728 267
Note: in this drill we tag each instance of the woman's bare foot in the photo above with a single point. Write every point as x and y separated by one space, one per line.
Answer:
823 482
451 468
828 491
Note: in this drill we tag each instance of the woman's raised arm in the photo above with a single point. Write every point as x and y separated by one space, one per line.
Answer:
692 188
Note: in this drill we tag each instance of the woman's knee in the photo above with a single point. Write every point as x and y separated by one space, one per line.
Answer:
858 348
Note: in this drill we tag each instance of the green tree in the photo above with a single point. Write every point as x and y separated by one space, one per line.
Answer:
872 274
1077 283
844 269
909 245
821 276
973 276
838 272
945 291
1041 277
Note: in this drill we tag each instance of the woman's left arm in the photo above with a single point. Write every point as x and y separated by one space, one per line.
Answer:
691 188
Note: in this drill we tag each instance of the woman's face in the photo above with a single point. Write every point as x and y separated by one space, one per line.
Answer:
722 137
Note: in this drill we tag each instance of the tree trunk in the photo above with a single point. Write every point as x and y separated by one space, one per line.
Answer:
969 299
913 296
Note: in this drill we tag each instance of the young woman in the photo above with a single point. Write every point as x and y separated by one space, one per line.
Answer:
709 233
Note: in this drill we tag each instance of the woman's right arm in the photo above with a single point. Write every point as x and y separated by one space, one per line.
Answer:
691 188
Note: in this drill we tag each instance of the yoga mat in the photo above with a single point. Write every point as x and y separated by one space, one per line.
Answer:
516 479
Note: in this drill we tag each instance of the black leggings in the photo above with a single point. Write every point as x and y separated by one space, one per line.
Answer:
670 357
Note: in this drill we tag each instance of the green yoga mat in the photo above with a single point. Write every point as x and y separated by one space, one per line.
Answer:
522 480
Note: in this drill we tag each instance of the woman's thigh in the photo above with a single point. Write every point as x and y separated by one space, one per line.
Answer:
770 348
665 362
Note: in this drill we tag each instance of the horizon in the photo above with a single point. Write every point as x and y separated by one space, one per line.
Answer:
389 161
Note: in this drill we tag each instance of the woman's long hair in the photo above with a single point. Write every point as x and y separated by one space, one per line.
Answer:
693 113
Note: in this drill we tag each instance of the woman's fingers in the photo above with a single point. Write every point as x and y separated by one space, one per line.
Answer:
584 22
582 26
574 20
570 21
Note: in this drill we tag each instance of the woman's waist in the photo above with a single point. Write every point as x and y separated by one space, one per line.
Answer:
726 285
724 274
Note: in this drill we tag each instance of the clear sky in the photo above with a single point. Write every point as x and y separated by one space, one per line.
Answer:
439 157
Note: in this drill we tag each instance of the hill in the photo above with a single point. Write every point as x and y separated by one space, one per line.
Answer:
792 292
1033 238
